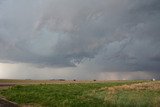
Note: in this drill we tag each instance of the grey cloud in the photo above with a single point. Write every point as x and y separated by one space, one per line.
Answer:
116 35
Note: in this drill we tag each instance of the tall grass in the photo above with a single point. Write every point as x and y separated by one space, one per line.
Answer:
81 95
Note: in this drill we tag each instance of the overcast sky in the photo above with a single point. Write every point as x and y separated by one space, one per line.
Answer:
80 39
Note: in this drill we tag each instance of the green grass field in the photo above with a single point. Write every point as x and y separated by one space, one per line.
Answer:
104 94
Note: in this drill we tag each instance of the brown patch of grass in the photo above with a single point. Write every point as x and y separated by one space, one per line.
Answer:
139 86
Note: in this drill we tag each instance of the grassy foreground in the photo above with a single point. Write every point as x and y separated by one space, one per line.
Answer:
109 94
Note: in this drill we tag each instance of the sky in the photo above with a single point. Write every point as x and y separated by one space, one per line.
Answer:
77 39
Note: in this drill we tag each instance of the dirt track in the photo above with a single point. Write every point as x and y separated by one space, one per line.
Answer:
6 85
5 103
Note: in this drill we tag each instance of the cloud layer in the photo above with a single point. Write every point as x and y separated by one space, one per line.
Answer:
107 35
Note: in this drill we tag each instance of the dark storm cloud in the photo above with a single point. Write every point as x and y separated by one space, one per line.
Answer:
117 35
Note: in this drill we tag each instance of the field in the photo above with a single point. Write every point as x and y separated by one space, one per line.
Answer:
82 93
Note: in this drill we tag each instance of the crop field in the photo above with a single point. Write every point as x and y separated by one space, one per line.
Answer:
28 93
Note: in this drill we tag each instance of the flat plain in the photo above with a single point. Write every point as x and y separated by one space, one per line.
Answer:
63 93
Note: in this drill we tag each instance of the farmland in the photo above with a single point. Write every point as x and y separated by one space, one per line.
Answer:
82 93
